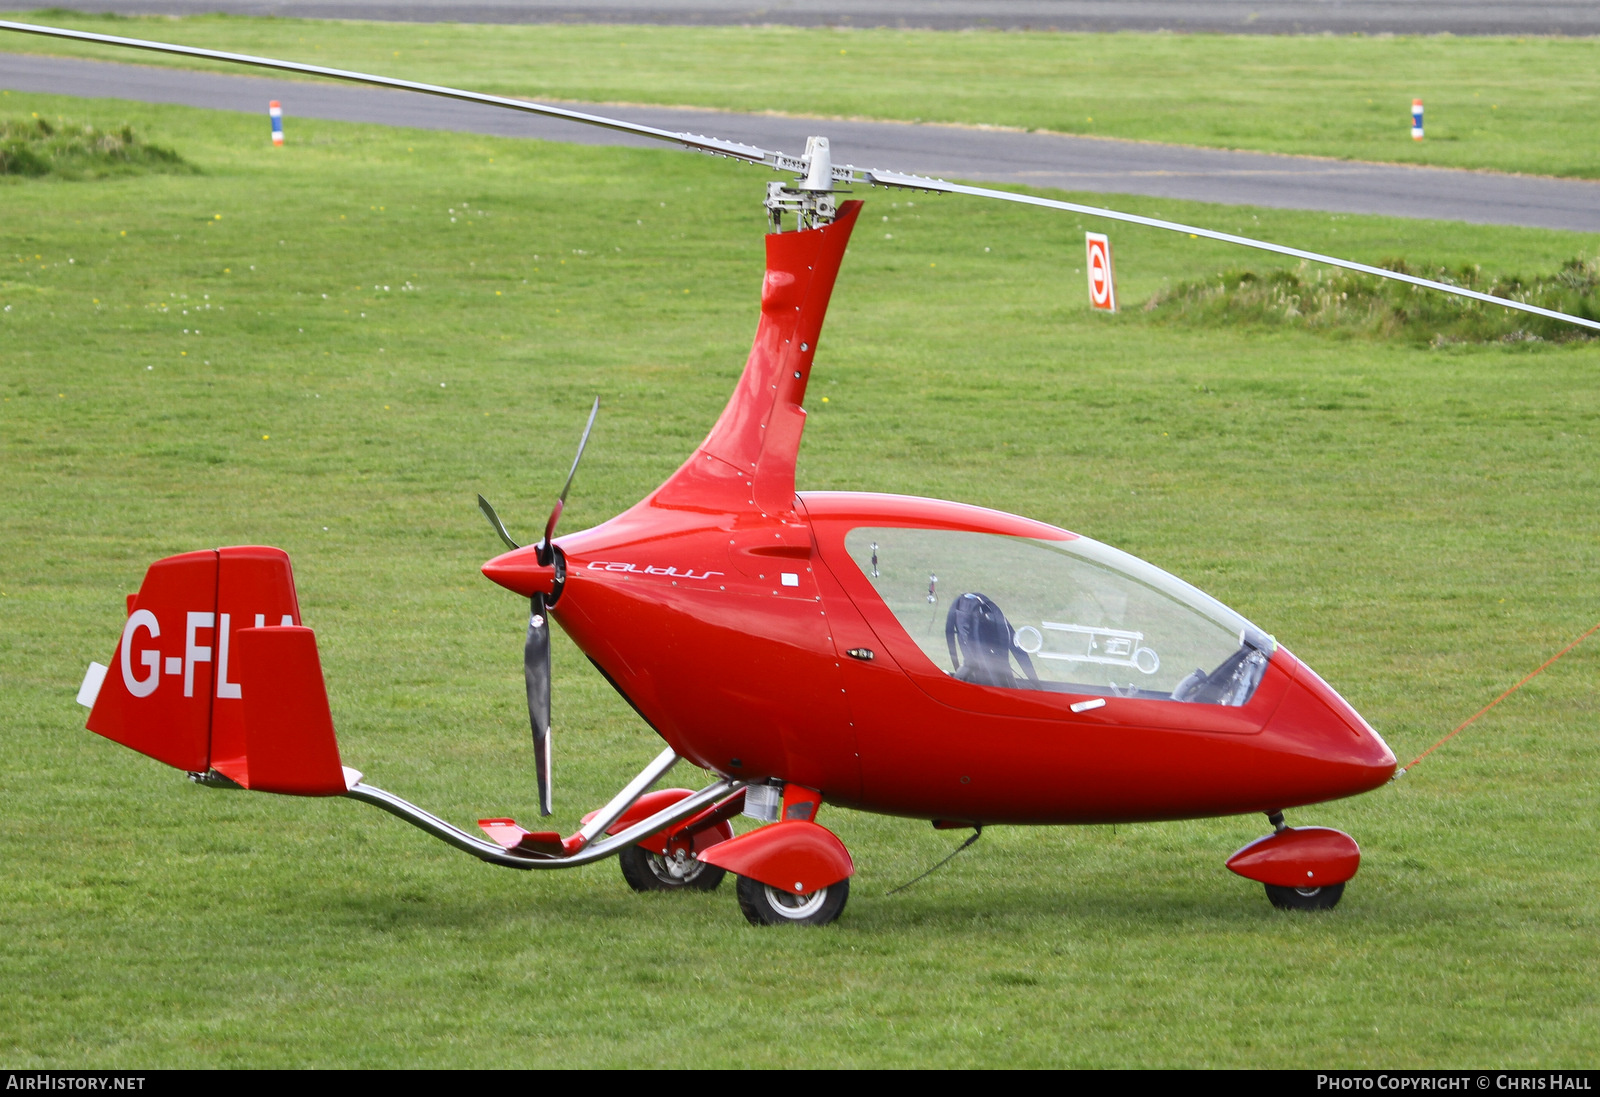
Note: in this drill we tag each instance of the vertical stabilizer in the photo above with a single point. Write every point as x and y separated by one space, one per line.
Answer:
174 687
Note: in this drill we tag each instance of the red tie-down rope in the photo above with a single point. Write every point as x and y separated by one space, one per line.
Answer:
1459 728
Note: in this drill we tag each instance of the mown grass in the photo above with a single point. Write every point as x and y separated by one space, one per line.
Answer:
1345 303
1507 104
1418 524
34 147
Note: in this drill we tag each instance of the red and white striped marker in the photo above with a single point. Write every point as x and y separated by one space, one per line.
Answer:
1416 119
1102 278
276 111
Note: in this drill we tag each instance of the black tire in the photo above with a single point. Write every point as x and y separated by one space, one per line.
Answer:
1323 898
764 905
647 871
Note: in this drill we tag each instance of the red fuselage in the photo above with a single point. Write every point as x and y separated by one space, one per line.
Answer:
730 613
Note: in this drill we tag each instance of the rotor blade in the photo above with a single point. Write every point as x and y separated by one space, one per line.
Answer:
561 502
840 172
494 520
536 674
917 182
700 143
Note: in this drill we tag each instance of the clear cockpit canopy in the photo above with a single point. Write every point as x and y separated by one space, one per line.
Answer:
1070 616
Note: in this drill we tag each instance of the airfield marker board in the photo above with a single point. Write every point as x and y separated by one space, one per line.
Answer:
1102 278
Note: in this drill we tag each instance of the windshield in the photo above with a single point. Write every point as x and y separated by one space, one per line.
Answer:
1071 616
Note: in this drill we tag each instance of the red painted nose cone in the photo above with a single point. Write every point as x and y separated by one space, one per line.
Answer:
520 570
1347 756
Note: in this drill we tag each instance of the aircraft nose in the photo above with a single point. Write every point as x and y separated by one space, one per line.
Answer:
1349 756
520 570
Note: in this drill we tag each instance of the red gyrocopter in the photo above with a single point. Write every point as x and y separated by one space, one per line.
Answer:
900 655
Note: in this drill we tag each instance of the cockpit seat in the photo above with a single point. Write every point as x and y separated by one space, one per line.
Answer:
1232 683
982 644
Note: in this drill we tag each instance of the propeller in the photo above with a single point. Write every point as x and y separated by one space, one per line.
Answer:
536 649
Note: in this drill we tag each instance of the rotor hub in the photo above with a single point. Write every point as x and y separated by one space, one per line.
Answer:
811 200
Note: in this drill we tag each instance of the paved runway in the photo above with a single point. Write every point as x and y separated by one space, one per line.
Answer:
1574 17
995 156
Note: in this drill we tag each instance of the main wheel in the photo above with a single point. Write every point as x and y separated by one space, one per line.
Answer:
648 871
765 905
1323 898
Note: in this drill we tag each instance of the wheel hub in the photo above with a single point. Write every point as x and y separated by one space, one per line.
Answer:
790 905
677 866
681 864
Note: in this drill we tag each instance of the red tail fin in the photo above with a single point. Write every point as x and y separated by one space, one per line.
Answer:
177 684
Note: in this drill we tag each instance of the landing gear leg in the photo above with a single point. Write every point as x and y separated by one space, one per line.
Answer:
792 872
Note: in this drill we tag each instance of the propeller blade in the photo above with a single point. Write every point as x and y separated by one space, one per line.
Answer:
839 173
536 673
494 520
561 503
536 649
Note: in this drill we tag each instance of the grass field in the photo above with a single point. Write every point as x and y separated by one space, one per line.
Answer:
380 323
1524 104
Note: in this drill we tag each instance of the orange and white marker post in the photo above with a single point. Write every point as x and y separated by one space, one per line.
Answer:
1416 119
1102 277
276 112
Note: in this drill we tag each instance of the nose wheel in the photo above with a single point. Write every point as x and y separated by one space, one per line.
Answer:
676 870
1302 868
1323 898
